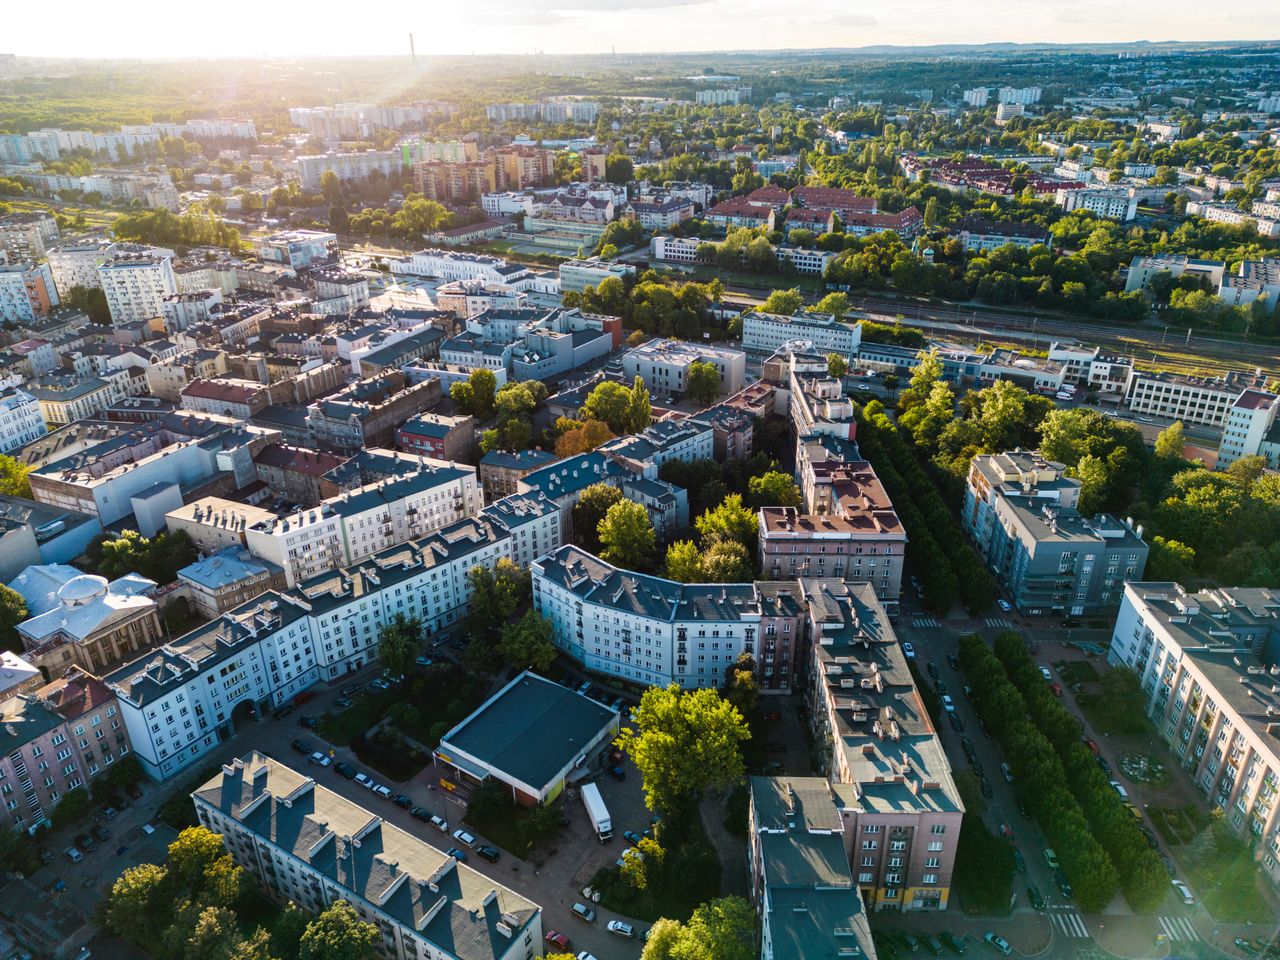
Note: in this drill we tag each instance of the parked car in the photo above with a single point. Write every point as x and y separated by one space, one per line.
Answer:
283 712
948 704
1104 764
998 943
1064 888
86 843
956 723
459 855
1183 892
134 791
345 770
1007 772
1044 672
383 792
464 838
489 853
107 812
1091 744
100 833
932 668
380 684
1056 688
420 813
400 800
350 688
558 940
440 823
773 716
583 912
953 661
309 723
1051 858
933 945
952 943
969 750
72 854
365 780
46 856
620 928
910 942
632 837
985 785
1118 787
302 747
424 661
1006 831
1018 863
342 703
319 759
1004 605
908 651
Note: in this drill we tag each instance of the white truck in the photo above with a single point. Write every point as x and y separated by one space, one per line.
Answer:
597 811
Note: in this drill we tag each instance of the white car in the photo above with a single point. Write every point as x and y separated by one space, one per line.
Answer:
1182 891
620 928
365 781
440 823
908 651
1118 787
464 838
1004 605
947 704
383 792
319 759
1044 672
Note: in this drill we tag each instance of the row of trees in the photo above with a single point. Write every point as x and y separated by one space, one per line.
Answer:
158 558
655 305
188 910
937 550
183 231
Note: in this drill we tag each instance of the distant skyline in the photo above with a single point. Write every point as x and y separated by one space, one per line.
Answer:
79 28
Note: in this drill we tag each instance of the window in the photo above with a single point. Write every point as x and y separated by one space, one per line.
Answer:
935 846
938 828
871 828
868 844
929 878
862 877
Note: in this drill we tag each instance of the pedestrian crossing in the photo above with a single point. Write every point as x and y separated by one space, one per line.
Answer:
1178 928
1068 922
926 622
999 623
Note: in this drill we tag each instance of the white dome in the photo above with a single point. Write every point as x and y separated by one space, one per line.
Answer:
83 589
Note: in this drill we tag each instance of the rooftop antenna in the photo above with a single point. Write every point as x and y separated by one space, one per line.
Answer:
413 54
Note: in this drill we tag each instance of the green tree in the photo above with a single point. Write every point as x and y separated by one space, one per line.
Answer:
74 804
685 743
287 930
496 595
626 536
475 395
642 866
726 561
139 904
639 407
1169 560
837 366
592 506
1170 442
836 304
927 373
702 383
730 520
774 489
610 403
931 213
785 302
684 562
721 929
192 854
92 300
740 687
1091 471
418 216
339 221
256 946
215 934
618 168
338 934
330 186
13 478
527 643
399 642
13 611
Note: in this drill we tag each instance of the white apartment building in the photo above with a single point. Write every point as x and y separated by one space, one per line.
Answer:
1248 430
721 96
346 529
977 97
685 250
1206 664
26 236
1143 269
766 333
1022 95
1228 213
75 262
508 203
424 902
1253 279
1007 111
1113 203
640 628
576 275
348 166
452 265
183 698
27 291
135 287
21 420
1105 372
664 365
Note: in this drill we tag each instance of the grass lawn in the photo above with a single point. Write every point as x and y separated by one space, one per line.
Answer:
507 831
1076 671
690 876
1226 877
342 728
1112 717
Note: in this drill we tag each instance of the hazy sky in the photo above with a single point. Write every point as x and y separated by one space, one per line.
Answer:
144 28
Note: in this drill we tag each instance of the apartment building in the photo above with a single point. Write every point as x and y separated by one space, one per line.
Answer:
577 275
1142 269
455 181
1207 665
1021 511
816 402
21 420
664 365
26 236
685 250
438 436
880 751
27 292
977 235
1091 366
722 96
1250 429
738 212
1113 203
1228 213
136 286
501 472
1204 400
367 413
227 579
181 700
349 167
905 223
307 845
54 740
1252 280
646 629
659 213
66 398
766 333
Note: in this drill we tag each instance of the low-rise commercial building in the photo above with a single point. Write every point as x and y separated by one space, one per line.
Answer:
766 333
664 365
306 845
1190 399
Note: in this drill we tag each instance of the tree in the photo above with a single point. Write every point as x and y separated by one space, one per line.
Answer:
1091 471
583 438
626 536
496 595
685 743
836 304
730 520
611 403
726 561
74 804
13 478
702 384
92 300
639 407
837 366
418 216
618 168
192 854
774 489
398 643
1169 443
215 934
287 930
256 946
785 302
927 373
13 611
721 929
684 562
740 684
592 506
330 186
339 221
338 934
138 906
643 865
475 395
1169 560
931 212
527 643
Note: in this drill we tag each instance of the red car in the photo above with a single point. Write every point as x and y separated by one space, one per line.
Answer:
1093 746
1007 832
773 717
1056 687
557 940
